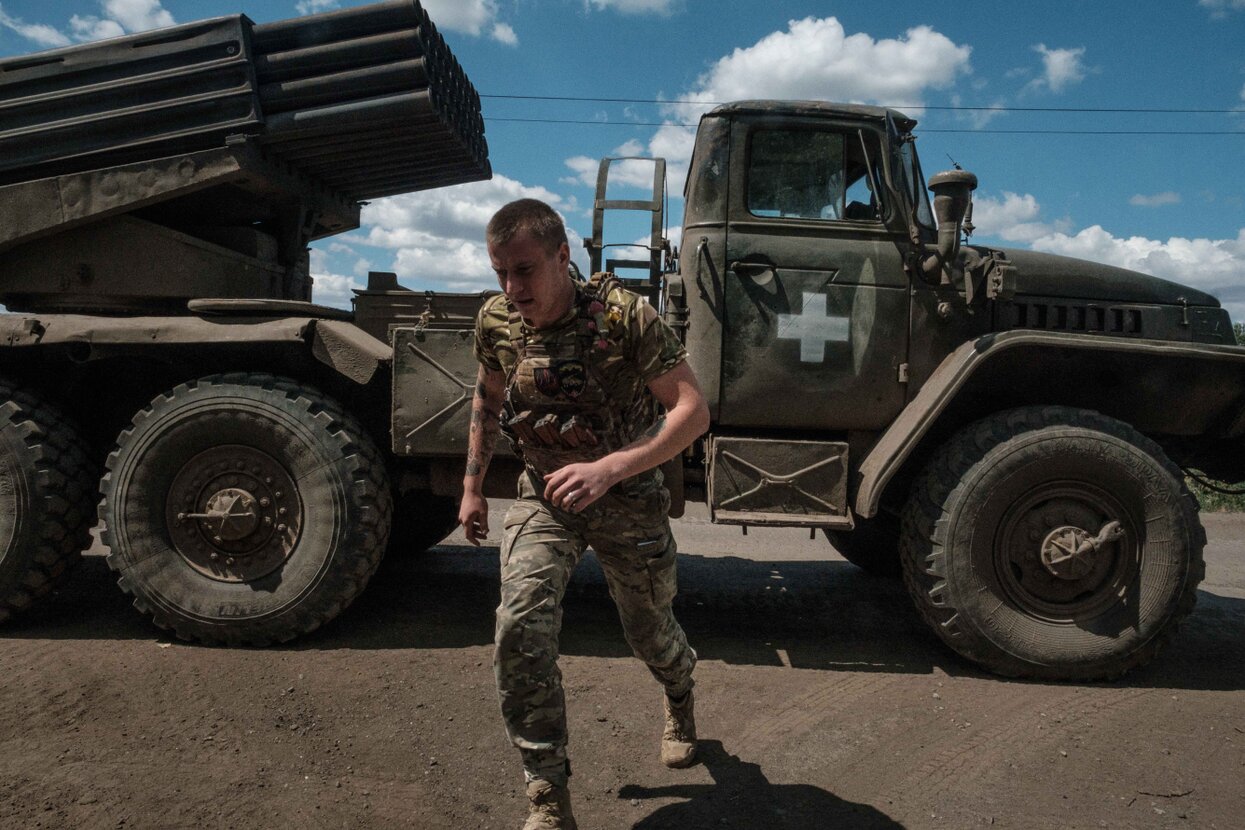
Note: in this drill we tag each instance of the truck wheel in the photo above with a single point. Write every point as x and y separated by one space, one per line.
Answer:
872 546
421 520
48 488
244 508
1053 543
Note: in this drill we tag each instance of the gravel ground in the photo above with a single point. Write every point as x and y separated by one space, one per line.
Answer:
822 702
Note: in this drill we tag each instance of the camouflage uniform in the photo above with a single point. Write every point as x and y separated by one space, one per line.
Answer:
594 363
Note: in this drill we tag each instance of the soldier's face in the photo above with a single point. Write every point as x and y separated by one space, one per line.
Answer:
534 278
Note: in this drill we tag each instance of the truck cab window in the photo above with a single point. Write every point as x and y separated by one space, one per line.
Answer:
809 174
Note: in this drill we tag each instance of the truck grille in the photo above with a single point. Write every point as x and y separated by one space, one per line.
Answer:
1118 320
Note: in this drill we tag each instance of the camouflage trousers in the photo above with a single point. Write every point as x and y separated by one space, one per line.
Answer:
540 548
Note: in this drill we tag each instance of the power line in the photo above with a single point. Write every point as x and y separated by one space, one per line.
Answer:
944 108
984 131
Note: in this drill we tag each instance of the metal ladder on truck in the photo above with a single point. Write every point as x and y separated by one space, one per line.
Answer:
660 255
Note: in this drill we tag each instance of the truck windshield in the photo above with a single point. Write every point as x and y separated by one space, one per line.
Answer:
912 182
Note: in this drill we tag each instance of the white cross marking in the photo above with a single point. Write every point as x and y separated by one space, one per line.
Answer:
813 328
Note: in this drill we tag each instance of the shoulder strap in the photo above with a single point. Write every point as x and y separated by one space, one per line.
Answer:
515 322
605 316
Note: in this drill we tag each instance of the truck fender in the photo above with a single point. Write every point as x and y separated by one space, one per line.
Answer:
348 349
1164 359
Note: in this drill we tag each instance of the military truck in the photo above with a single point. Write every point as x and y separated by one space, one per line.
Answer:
1006 428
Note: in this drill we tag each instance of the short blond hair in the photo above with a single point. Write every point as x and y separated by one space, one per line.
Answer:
533 216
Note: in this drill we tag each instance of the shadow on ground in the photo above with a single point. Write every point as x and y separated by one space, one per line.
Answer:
824 615
741 796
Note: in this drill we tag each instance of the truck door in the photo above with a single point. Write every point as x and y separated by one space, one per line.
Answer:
815 329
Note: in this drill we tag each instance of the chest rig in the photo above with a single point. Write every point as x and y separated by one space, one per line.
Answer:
571 395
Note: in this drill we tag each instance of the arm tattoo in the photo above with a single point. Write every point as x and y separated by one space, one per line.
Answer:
482 435
656 428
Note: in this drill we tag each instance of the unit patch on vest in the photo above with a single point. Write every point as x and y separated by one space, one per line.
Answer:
573 377
546 380
568 379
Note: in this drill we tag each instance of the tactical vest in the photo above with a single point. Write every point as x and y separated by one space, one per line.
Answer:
559 405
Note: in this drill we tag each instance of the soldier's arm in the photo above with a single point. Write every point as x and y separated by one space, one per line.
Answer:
481 442
687 417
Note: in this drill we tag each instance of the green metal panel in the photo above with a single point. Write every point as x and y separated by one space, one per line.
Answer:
816 312
763 482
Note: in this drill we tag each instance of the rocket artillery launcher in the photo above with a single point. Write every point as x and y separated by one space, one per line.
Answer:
199 160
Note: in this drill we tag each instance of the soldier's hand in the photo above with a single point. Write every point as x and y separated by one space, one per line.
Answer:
576 486
473 516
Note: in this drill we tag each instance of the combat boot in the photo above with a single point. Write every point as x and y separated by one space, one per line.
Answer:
678 741
550 807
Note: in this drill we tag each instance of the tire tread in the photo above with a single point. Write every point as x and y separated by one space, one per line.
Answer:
924 522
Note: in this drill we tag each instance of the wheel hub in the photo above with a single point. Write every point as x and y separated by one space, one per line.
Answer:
1071 553
230 514
1060 551
233 513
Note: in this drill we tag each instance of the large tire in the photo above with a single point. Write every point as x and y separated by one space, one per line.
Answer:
987 534
306 489
872 546
48 489
421 520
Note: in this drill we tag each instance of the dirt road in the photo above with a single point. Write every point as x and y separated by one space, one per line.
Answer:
822 702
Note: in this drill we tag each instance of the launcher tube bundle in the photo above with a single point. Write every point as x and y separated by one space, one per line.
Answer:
367 101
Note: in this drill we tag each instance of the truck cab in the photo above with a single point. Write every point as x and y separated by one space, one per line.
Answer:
870 373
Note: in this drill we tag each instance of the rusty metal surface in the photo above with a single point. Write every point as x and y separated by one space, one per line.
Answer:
63 329
351 351
778 482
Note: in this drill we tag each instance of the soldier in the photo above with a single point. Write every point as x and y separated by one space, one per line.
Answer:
573 372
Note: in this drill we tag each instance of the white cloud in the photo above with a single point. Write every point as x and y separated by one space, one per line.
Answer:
37 33
979 118
1014 218
1220 8
328 288
437 236
471 17
93 28
333 289
504 33
815 58
662 7
120 17
315 6
630 173
1156 200
137 15
1061 68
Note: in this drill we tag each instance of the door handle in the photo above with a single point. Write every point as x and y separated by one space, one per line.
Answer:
762 273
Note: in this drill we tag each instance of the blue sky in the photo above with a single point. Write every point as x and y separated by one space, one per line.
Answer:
1171 205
